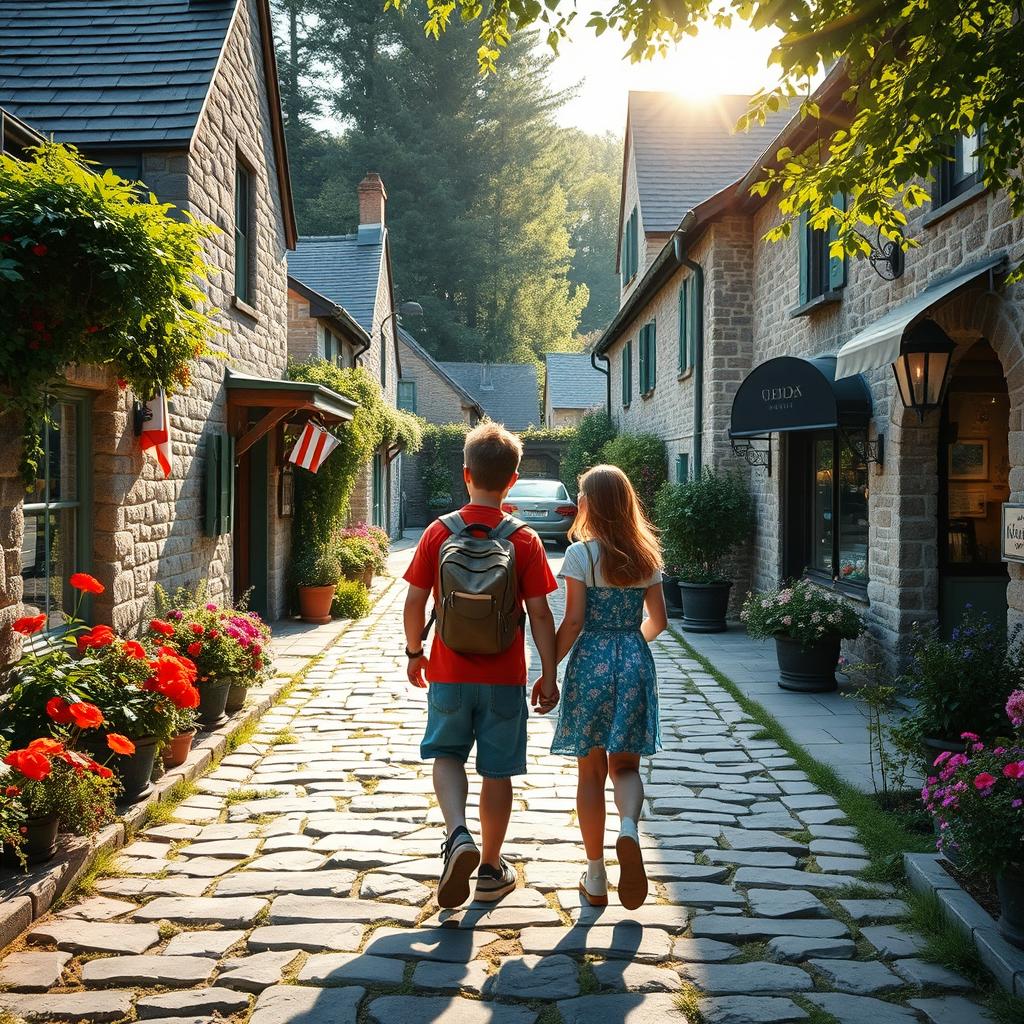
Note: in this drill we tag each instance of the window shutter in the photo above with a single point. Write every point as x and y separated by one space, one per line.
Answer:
634 261
803 236
682 468
836 264
684 303
220 484
627 371
693 318
652 355
643 359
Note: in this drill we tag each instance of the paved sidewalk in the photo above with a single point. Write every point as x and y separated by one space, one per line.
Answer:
297 886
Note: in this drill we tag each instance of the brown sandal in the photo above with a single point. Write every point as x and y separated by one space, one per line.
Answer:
632 875
594 901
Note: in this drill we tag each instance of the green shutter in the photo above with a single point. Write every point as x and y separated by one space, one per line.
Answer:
642 340
627 373
634 263
836 264
652 358
682 468
803 236
684 302
220 484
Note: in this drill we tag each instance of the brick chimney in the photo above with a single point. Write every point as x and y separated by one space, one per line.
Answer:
372 199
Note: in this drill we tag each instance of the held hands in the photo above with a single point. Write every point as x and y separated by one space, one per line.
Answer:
545 695
415 669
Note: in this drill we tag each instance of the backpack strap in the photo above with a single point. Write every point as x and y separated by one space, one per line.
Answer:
590 560
453 523
508 526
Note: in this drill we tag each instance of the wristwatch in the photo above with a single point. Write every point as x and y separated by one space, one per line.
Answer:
414 654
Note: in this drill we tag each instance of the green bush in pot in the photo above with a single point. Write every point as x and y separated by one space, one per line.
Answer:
701 522
316 571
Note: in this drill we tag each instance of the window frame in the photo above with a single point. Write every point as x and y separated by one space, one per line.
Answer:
948 188
627 374
822 276
406 383
243 236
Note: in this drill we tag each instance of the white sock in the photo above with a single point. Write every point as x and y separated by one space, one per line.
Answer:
627 828
597 878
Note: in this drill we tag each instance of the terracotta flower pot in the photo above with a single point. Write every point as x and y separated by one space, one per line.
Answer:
236 697
176 751
213 698
315 604
39 843
807 669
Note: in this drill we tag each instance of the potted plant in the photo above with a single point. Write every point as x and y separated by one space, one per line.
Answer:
351 600
316 572
176 748
13 823
808 625
673 592
359 558
252 635
701 522
976 798
960 684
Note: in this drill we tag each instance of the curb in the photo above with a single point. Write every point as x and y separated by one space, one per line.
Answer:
27 897
1005 961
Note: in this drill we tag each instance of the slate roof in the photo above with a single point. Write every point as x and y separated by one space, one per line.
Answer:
572 382
510 399
408 339
110 72
685 151
344 268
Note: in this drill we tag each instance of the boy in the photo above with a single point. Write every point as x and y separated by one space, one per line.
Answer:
478 697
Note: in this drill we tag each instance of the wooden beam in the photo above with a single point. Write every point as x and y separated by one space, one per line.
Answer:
254 433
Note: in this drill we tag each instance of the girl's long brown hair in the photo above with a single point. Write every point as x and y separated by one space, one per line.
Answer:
614 517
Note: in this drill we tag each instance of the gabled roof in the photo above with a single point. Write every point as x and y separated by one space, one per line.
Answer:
407 339
126 74
685 151
343 268
507 391
571 382
322 307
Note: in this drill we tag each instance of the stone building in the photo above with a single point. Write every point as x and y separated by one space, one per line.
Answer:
428 390
572 388
507 392
779 361
97 76
353 273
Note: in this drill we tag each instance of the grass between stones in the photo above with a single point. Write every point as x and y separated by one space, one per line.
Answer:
246 794
815 1014
882 833
688 1001
285 735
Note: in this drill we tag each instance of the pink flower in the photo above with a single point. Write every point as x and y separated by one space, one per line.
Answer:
972 736
1015 707
1014 770
984 781
944 756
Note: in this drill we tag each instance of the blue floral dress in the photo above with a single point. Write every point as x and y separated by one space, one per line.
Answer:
610 690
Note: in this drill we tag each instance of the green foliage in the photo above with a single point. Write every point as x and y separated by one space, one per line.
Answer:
701 521
442 448
351 600
801 611
547 434
82 800
355 554
583 452
315 565
642 457
95 273
323 497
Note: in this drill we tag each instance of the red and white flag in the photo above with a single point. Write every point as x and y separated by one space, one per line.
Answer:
156 431
314 445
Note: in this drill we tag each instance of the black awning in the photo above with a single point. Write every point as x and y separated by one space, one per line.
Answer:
788 394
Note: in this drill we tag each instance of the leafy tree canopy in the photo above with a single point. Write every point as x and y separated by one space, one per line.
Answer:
914 76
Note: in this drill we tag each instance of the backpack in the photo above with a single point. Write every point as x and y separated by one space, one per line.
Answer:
477 607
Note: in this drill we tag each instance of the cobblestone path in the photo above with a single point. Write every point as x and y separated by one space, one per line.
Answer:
296 886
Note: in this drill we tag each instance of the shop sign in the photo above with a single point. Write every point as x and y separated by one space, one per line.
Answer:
1013 533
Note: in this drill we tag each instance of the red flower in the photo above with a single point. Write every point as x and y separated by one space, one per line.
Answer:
120 744
98 636
214 634
86 716
257 662
196 628
57 709
47 746
984 781
134 649
161 627
89 584
1014 770
39 249
29 625
32 764
195 649
100 769
12 791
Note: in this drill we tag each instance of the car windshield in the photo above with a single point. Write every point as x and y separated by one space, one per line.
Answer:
551 489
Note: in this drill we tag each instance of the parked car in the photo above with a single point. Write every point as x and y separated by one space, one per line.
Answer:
545 506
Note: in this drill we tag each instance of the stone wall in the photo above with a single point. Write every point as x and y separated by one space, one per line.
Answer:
436 400
303 342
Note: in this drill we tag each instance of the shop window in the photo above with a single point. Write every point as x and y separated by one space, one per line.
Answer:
629 262
687 326
821 274
960 172
55 543
627 374
407 395
243 233
648 358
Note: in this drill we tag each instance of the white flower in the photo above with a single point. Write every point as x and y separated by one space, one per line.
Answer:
787 620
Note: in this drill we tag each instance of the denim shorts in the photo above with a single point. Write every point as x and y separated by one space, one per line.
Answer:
492 716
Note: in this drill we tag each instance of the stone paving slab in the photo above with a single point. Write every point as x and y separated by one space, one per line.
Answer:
76 1006
297 1004
438 1010
204 1001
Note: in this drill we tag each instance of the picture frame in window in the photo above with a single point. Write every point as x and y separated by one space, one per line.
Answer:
968 503
968 459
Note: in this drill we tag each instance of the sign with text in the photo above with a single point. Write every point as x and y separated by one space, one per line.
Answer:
1013 533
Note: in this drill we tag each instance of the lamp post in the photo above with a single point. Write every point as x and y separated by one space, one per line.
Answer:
406 309
922 368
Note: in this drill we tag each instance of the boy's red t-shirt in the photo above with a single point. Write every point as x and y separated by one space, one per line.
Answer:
535 580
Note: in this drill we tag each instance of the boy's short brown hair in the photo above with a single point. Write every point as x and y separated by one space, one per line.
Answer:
492 456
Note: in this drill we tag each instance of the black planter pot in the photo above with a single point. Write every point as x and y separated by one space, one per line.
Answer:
932 746
1010 885
673 594
213 698
135 771
705 606
807 669
236 697
39 844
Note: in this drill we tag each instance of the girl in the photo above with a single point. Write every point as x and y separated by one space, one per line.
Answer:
609 706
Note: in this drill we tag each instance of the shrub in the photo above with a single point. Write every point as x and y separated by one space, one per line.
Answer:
583 451
315 566
442 448
351 600
82 800
643 458
701 521
356 554
802 612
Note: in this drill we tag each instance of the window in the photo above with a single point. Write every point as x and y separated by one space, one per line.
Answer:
55 543
243 233
821 275
961 172
629 262
682 468
627 374
648 358
687 325
407 395
552 490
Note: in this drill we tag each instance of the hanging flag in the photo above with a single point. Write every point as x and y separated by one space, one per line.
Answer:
156 430
313 446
